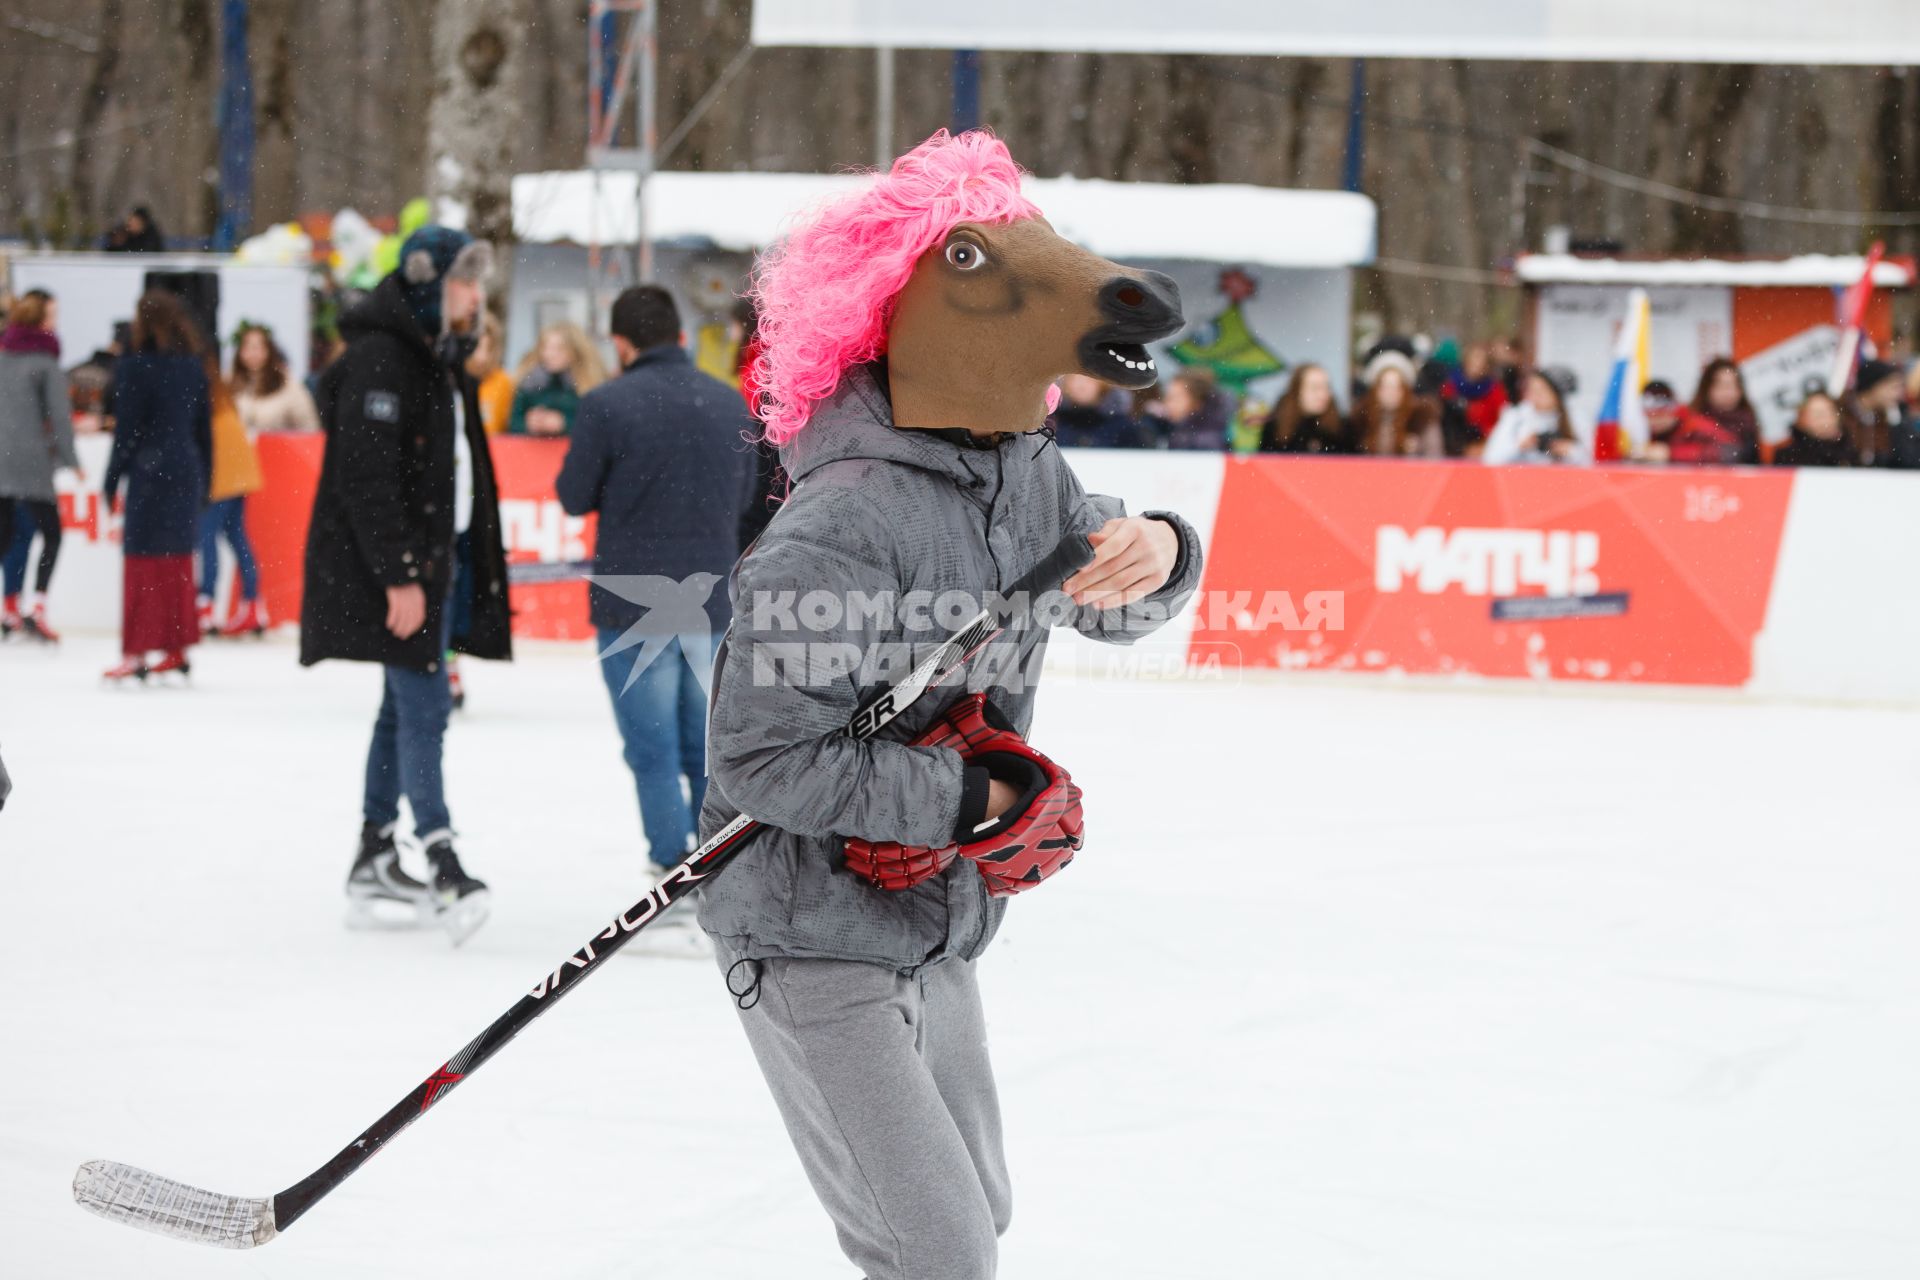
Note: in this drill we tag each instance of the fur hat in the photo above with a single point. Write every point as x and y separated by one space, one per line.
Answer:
1385 360
431 256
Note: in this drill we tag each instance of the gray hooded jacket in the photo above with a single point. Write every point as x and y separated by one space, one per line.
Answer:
883 512
36 430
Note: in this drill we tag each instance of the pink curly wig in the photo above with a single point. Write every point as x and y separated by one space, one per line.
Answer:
826 292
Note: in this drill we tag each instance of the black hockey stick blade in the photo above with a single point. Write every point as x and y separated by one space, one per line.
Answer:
124 1194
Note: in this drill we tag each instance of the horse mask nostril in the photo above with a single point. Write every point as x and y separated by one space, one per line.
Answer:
1130 296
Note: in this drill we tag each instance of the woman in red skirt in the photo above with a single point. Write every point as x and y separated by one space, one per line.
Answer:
162 444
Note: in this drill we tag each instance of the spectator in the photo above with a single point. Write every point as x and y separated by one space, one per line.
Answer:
770 482
1193 413
90 383
1889 432
1721 427
661 454
264 394
1538 429
1307 420
563 367
1819 437
1478 389
1390 421
235 474
36 437
493 384
136 233
1088 418
407 474
161 448
1664 413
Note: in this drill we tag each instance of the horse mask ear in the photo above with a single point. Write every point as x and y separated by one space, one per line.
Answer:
994 314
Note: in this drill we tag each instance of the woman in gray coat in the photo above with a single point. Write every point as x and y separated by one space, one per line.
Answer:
36 436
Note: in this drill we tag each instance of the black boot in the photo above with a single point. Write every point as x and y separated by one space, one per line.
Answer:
462 898
376 873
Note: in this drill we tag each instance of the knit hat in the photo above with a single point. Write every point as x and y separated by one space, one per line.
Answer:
1561 378
431 256
1385 360
1872 374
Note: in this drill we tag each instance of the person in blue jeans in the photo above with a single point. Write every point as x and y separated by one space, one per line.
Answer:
227 519
663 453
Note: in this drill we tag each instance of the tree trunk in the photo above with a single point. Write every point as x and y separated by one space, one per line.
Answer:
95 98
480 56
275 111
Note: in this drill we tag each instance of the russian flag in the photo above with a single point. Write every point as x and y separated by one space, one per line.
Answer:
1852 315
1622 428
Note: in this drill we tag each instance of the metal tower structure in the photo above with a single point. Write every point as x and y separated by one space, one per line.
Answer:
622 132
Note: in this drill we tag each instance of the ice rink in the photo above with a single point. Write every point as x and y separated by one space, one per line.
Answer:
1353 981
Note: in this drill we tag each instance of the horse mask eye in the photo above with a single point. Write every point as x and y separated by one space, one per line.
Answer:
965 255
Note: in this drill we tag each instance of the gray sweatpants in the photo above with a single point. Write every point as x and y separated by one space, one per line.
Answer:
885 1087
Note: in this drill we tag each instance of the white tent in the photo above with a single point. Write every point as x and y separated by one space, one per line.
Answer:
1120 220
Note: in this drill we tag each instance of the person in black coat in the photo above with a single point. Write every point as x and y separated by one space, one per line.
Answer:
162 450
406 474
1819 436
664 454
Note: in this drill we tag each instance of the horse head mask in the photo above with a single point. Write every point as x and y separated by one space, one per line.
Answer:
946 270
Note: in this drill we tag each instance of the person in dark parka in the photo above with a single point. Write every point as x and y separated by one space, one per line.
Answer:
162 447
406 473
663 453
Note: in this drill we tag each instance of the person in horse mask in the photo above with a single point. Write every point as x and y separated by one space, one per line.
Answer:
406 480
910 338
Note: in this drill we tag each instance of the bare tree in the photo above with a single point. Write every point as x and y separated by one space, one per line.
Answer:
475 122
275 115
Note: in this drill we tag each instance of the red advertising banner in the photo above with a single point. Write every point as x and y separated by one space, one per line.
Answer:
1564 573
535 528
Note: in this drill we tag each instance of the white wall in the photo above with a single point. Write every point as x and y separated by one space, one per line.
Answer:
96 289
1844 619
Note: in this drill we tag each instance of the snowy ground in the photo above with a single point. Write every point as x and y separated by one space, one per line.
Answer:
1351 982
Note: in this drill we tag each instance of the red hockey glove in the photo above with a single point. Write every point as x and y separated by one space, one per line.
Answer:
1035 837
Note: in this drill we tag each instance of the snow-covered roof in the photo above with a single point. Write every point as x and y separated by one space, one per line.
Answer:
1271 226
1807 269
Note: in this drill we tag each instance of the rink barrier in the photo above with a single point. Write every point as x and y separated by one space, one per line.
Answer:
1771 581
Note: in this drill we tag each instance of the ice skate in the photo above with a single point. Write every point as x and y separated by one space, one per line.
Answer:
173 665
462 899
203 615
379 894
10 619
248 620
131 669
35 625
455 686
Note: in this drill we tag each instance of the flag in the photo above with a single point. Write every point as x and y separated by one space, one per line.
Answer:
1622 428
1852 317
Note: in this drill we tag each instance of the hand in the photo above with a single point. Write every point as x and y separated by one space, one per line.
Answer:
546 422
1132 559
406 610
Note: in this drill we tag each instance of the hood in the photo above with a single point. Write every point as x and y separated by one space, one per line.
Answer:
857 422
385 310
24 340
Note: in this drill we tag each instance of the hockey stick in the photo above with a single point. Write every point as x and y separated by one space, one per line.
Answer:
122 1193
